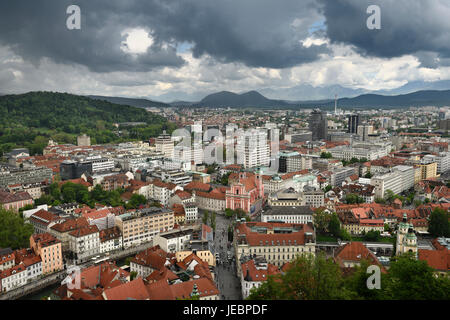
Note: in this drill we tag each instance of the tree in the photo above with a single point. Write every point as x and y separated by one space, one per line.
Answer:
412 279
229 213
224 179
326 155
133 275
368 175
372 235
438 225
213 221
389 195
327 188
205 217
352 198
334 226
14 232
135 201
308 278
321 220
356 284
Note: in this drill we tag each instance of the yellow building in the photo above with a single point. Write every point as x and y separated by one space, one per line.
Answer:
205 255
428 170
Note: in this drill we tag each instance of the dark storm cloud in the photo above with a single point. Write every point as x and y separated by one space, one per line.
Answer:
259 33
407 27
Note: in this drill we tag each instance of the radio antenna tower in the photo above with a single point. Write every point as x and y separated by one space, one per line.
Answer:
335 104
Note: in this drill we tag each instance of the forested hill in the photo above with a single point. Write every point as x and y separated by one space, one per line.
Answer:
29 120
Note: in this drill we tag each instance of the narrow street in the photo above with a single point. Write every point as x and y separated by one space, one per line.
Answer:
226 279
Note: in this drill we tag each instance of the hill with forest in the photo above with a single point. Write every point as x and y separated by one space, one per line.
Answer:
31 119
135 102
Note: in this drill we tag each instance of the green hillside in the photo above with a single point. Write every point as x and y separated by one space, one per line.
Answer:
29 120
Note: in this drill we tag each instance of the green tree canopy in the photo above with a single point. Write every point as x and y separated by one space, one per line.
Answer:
438 225
14 232
309 278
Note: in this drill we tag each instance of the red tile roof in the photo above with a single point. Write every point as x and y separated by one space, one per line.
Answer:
134 290
251 273
91 229
355 252
161 290
437 259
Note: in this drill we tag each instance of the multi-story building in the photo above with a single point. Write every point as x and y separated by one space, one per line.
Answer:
173 241
407 176
286 198
290 162
339 175
149 260
42 219
15 201
100 164
191 212
33 189
253 149
113 182
354 121
254 273
314 198
215 200
70 169
302 136
7 261
13 278
318 125
165 145
24 176
278 243
348 152
83 141
141 226
84 243
110 240
49 249
61 230
442 160
161 191
288 214
389 181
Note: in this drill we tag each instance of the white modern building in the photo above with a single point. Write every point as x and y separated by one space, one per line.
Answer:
253 149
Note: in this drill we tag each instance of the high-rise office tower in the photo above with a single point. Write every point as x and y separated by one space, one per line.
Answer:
354 120
318 125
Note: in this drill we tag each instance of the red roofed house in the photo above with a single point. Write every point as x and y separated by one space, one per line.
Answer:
134 290
254 273
7 261
438 259
351 254
61 230
93 281
203 287
42 219
14 201
147 261
13 278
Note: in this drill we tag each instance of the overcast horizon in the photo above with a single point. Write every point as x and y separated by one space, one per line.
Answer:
184 50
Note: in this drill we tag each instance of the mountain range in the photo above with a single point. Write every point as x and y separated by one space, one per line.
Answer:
255 99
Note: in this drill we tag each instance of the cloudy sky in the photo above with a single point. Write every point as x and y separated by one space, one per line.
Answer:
184 49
